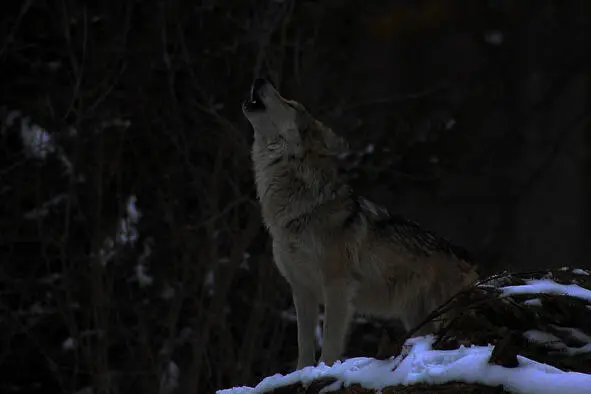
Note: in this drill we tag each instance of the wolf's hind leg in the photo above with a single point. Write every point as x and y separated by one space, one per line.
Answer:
337 315
416 314
306 306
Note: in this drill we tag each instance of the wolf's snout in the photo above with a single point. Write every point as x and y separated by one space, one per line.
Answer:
256 87
255 102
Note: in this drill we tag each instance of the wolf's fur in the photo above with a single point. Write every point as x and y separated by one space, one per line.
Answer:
333 246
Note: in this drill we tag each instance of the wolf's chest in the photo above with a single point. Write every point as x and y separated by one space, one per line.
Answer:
298 262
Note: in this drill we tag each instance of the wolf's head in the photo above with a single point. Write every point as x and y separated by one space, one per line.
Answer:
294 159
276 120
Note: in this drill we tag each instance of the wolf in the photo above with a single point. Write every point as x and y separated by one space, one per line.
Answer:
333 246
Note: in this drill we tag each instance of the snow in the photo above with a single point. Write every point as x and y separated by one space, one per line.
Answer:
127 234
117 122
44 209
127 230
244 263
169 380
209 282
51 279
547 286
422 364
132 212
450 123
38 142
107 252
69 344
575 333
66 163
544 338
54 65
533 302
289 316
318 333
556 343
573 351
578 271
141 275
494 37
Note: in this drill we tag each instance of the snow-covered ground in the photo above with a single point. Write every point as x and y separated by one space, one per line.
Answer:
422 364
547 286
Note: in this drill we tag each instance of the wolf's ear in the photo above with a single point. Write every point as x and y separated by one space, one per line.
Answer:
335 144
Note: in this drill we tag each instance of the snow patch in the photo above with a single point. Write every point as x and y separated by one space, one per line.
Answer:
547 286
574 333
289 316
69 344
66 163
544 338
127 230
450 123
244 263
169 380
553 342
422 364
573 351
54 65
209 282
132 212
43 210
141 276
107 252
494 37
318 333
533 302
37 141
50 279
117 122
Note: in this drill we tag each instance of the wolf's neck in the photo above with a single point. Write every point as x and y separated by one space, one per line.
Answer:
290 191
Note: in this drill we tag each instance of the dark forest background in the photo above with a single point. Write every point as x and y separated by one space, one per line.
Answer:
470 117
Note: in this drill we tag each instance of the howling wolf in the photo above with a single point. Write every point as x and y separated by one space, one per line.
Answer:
333 246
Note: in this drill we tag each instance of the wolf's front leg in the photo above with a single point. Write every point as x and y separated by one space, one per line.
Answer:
337 315
306 306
